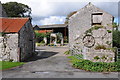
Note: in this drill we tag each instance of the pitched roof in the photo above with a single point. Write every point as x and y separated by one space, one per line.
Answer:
12 24
54 26
89 5
44 31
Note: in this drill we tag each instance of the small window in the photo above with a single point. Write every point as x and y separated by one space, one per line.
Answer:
96 18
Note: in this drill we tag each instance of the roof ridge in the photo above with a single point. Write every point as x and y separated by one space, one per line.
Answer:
15 17
90 4
52 24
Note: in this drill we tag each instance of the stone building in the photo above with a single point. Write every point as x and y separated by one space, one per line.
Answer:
90 34
17 39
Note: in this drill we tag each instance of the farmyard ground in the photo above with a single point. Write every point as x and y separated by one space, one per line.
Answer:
53 64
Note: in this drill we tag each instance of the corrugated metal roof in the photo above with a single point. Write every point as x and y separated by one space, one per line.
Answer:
12 24
54 26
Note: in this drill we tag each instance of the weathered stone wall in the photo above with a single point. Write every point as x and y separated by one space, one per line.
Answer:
9 47
80 22
18 46
99 55
26 41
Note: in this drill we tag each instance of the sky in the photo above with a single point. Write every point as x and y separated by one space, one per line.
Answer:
46 12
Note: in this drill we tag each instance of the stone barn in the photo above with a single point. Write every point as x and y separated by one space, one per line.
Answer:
90 34
17 39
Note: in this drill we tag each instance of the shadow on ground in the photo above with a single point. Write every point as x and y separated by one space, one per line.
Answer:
41 55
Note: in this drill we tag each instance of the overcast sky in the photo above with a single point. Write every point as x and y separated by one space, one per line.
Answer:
54 11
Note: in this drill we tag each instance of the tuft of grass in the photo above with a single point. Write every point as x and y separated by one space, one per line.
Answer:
96 57
97 47
67 52
6 64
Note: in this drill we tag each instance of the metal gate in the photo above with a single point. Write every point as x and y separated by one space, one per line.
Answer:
118 54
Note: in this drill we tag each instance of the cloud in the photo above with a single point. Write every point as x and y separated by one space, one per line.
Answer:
44 10
51 20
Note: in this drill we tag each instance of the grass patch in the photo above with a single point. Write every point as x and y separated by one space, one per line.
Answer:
7 65
40 44
94 66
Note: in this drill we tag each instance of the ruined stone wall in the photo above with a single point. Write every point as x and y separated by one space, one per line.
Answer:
80 22
26 41
9 47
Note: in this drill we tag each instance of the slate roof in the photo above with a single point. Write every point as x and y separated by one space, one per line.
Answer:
54 26
12 25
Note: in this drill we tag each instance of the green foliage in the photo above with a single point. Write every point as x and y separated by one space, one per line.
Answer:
97 47
48 34
103 57
51 44
2 34
114 25
42 35
96 57
58 41
74 59
67 52
14 9
94 66
88 31
116 38
11 60
59 36
109 31
7 65
108 42
114 49
96 27
41 43
38 44
65 39
78 56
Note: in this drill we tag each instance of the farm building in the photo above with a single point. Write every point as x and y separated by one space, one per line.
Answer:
17 39
55 28
90 34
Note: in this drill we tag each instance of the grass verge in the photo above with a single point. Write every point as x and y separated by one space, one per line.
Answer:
6 65
88 65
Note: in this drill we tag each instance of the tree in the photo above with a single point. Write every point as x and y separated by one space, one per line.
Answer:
115 26
116 38
14 9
